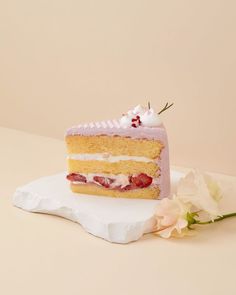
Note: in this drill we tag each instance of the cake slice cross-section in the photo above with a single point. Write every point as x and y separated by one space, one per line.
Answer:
125 158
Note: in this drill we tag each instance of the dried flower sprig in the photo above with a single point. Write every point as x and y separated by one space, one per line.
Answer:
166 107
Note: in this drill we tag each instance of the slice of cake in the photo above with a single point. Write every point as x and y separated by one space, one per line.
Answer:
125 158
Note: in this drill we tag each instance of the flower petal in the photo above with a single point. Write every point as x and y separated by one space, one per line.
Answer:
194 189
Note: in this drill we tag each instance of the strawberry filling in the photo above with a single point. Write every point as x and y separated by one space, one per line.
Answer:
104 181
141 180
76 177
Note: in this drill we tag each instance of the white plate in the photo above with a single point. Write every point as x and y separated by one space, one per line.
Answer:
116 220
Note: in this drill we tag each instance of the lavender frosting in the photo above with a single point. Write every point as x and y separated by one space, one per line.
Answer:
113 128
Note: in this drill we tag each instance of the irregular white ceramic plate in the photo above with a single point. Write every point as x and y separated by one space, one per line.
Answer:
115 220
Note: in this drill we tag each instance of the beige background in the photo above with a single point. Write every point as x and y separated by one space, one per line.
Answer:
63 62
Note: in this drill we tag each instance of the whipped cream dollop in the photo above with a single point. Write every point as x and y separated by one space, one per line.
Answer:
140 116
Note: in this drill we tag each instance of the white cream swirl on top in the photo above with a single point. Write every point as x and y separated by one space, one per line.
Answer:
140 116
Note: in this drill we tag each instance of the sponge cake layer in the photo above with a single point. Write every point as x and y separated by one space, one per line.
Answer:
115 145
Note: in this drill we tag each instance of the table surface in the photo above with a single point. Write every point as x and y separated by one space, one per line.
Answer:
43 254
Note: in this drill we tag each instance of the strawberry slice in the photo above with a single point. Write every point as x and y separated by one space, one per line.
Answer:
141 180
76 177
104 181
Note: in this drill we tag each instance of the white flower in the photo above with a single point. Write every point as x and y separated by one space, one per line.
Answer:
170 216
213 188
196 192
201 191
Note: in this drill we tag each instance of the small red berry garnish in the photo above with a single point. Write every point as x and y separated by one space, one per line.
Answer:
136 122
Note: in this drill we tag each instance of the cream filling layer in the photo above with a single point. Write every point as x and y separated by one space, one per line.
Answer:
119 179
108 158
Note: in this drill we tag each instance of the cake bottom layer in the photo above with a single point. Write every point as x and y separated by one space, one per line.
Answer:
91 189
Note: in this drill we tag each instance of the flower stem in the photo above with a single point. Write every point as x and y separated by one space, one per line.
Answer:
218 218
167 106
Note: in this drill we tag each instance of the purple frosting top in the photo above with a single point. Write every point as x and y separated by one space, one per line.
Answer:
113 127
